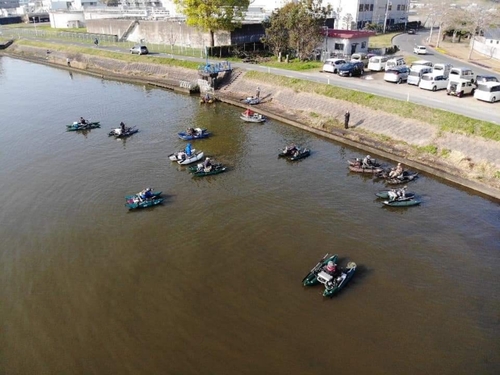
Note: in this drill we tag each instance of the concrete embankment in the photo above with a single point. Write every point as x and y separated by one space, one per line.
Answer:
471 162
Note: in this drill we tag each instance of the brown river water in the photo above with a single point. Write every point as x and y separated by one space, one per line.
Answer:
210 281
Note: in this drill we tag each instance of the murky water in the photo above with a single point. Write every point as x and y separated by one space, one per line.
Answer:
210 282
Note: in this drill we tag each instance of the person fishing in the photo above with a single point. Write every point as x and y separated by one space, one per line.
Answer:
83 121
187 150
122 127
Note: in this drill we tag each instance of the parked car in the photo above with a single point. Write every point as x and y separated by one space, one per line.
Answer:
482 78
377 63
397 74
433 82
488 91
462 73
395 61
140 50
421 62
360 57
411 31
332 65
420 50
352 69
442 69
416 72
460 87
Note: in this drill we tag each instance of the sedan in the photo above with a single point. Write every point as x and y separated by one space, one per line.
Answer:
397 74
433 82
352 69
140 50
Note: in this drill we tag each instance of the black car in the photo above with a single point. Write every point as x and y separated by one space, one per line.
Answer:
411 31
352 69
481 78
140 50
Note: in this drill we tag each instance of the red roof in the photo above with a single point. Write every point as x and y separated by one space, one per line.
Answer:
350 34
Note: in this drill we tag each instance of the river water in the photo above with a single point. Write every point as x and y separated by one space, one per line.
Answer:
210 281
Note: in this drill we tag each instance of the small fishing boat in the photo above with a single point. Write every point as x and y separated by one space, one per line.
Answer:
193 133
335 283
183 158
79 126
360 169
402 202
294 153
251 100
311 278
385 194
200 171
251 116
359 162
143 199
406 177
118 133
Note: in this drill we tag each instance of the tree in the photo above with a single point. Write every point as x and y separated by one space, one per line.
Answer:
298 26
213 15
480 20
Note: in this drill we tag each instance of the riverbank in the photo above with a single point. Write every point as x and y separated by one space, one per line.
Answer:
469 161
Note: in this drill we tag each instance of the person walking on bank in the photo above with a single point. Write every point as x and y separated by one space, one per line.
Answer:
347 115
257 92
68 62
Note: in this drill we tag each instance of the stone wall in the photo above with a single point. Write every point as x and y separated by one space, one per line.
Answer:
158 32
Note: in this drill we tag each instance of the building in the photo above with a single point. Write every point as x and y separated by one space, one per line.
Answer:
355 14
347 42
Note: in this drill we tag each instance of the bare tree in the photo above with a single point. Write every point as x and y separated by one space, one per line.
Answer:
481 19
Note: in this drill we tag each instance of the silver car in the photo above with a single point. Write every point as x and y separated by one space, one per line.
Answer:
397 74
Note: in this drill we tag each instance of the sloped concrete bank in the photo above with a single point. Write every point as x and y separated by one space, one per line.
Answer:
471 162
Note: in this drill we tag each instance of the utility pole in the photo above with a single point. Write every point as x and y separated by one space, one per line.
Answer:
386 13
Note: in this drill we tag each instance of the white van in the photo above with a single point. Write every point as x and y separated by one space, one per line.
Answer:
463 73
460 87
442 69
416 72
488 91
332 65
421 62
377 63
394 62
434 82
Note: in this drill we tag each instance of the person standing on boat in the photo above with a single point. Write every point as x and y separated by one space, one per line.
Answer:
187 150
207 165
83 121
122 127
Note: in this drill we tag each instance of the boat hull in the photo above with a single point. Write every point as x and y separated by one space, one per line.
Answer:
128 133
373 170
196 156
403 203
216 169
200 134
144 204
385 194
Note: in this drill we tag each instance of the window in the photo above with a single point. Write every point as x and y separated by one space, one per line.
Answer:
403 7
361 7
399 7
339 46
363 44
389 7
371 7
367 7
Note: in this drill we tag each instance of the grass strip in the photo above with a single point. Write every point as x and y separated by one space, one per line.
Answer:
68 48
445 121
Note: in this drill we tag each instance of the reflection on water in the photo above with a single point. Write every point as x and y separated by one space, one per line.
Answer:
209 282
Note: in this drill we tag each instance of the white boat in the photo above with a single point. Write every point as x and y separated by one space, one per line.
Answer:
251 116
182 158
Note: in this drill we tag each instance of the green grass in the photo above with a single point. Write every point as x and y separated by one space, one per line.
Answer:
68 30
443 120
382 40
430 149
295 65
112 55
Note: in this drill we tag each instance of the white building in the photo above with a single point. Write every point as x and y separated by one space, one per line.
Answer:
354 14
